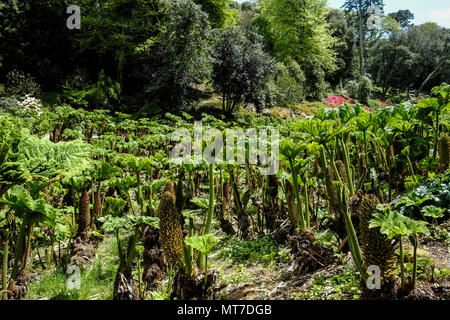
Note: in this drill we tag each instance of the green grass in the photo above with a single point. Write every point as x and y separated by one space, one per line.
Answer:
237 274
97 279
336 287
309 108
258 250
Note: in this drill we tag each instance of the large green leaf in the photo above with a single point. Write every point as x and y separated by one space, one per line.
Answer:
204 244
115 205
43 158
20 200
201 202
129 222
392 224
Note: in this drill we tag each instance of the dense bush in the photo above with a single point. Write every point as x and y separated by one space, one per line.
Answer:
373 104
179 58
19 83
9 104
241 68
287 84
360 89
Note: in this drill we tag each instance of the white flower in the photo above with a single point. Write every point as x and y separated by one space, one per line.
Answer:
31 103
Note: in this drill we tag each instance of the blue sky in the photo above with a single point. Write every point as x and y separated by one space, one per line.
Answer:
424 10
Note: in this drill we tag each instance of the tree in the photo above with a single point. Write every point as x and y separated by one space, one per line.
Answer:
403 17
247 13
361 8
258 68
179 57
216 10
391 65
34 39
300 30
241 68
431 44
345 35
112 30
287 83
261 25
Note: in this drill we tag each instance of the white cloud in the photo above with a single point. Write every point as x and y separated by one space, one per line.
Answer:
441 17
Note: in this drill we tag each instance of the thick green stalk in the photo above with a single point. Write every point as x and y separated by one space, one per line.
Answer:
222 196
247 172
187 260
132 248
353 242
139 193
131 203
411 169
67 256
93 193
365 146
333 166
28 247
307 218
297 195
382 157
436 136
210 214
415 243
99 197
360 184
402 267
324 159
206 271
188 250
19 249
140 278
150 200
348 170
5 266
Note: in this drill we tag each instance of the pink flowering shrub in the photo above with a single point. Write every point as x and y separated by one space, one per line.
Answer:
337 101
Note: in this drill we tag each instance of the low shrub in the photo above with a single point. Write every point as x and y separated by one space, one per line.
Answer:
19 83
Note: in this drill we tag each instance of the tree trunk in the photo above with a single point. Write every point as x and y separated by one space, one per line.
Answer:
361 43
97 206
84 215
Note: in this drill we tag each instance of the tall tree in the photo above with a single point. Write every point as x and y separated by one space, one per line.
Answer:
179 57
241 68
360 10
216 10
34 39
403 17
112 30
391 65
345 34
432 44
300 30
